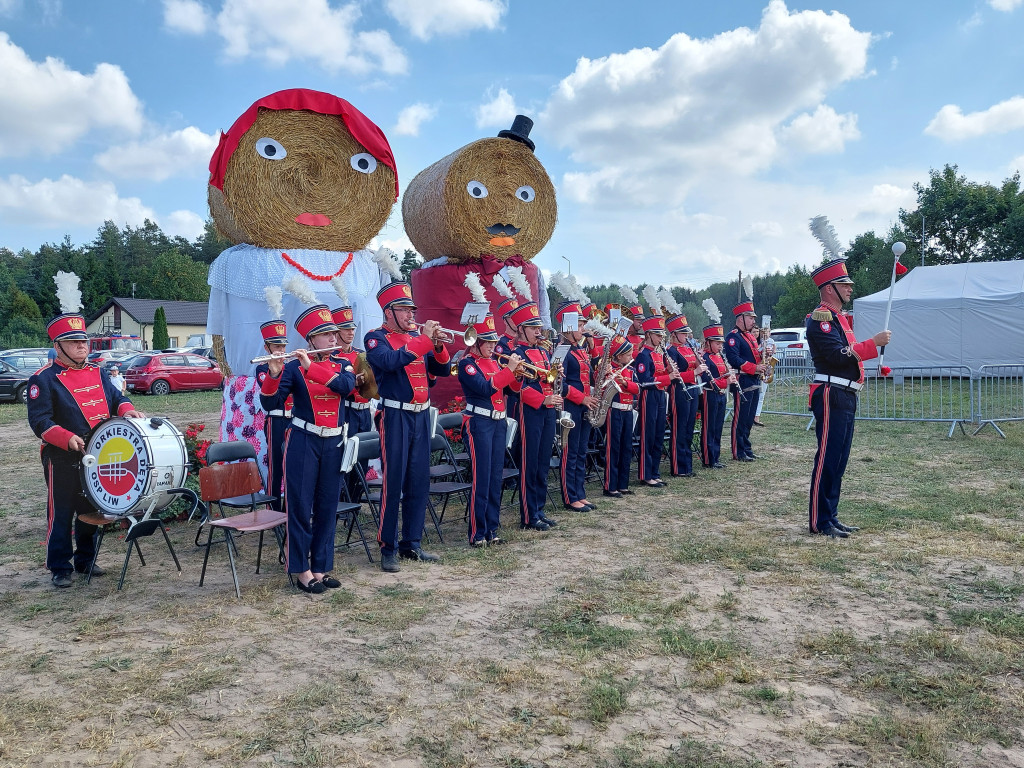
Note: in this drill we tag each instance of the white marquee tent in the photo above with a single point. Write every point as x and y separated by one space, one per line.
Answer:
955 315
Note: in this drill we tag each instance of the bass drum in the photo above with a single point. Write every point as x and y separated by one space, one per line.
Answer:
128 461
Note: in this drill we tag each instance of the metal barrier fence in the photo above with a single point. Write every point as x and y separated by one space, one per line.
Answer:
947 394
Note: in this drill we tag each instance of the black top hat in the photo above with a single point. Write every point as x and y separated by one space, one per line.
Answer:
520 131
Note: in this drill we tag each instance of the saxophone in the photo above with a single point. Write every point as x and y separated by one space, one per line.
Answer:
565 421
768 355
608 392
596 416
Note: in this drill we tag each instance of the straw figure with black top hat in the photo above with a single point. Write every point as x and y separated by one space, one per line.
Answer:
485 207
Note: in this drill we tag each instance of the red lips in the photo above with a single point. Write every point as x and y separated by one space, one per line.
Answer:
313 220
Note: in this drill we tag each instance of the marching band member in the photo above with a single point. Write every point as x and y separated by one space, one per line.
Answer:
576 391
653 378
539 406
318 383
277 421
684 396
713 404
357 411
618 423
838 376
484 429
66 401
402 360
636 313
743 354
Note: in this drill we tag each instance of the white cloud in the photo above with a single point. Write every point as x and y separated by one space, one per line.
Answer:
187 224
281 30
696 108
760 230
68 201
412 117
182 153
951 124
46 106
9 7
187 16
1017 165
446 17
499 111
1005 5
823 132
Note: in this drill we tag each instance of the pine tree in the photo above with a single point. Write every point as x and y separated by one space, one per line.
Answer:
160 338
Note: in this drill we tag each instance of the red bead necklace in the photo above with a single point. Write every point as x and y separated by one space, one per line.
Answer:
314 275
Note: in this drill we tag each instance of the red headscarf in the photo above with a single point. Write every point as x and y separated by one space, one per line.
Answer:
359 125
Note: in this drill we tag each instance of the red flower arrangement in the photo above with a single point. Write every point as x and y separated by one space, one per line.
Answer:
195 446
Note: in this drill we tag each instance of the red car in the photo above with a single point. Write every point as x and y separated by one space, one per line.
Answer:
160 373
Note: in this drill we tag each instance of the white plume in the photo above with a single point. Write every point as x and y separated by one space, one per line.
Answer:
501 286
826 235
714 313
668 301
564 286
598 328
388 262
651 297
300 288
520 283
748 287
275 300
68 295
578 294
629 295
476 290
338 284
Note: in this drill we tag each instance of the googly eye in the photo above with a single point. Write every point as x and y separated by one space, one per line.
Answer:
526 193
476 190
271 149
364 162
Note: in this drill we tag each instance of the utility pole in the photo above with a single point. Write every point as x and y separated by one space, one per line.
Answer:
922 239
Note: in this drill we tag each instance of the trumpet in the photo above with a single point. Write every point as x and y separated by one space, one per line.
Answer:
293 353
448 336
531 371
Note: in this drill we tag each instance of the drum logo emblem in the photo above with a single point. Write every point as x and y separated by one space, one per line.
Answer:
120 472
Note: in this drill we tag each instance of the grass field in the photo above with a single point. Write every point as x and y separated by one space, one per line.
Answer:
698 626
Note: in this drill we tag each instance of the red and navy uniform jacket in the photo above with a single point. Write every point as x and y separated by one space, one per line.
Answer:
484 382
630 390
651 372
318 393
404 364
834 349
506 345
717 370
262 372
63 402
742 351
576 384
355 397
637 342
594 345
686 361
534 391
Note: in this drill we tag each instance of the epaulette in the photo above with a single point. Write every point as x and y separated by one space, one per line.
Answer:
821 315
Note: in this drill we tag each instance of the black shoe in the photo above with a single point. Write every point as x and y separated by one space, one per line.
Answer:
330 582
62 580
741 458
834 532
550 523
495 541
97 570
590 507
314 587
418 554
612 494
757 423
571 508
536 525
478 543
389 563
625 491
753 456
718 465
682 474
847 528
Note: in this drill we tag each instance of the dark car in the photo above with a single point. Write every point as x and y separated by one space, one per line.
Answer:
13 383
161 373
30 360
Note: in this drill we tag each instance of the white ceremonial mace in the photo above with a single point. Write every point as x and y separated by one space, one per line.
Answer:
898 249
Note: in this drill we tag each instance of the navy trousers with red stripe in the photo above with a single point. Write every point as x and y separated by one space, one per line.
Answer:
835 410
312 482
405 460
64 502
537 436
574 455
274 428
711 420
744 406
682 416
618 449
485 442
652 432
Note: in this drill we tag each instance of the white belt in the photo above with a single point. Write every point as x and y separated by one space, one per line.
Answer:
279 412
357 406
414 407
855 385
485 412
622 406
314 429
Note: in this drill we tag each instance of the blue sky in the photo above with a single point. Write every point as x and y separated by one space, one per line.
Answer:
686 140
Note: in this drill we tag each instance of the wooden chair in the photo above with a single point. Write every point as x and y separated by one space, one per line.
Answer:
221 482
234 450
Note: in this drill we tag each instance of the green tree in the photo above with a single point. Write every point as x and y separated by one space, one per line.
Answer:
410 261
174 276
161 340
798 301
